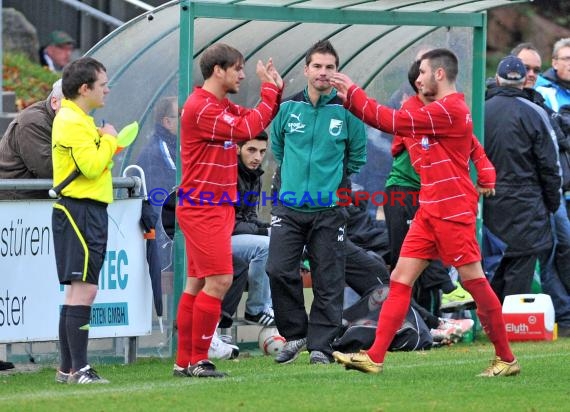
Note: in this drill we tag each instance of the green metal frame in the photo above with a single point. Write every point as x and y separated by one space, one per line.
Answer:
190 10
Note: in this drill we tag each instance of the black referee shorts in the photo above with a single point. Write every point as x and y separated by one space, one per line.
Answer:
80 230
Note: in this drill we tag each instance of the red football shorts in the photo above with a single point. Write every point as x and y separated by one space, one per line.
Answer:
429 238
208 239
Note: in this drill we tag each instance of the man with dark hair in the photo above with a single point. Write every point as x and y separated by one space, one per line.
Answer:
404 182
25 148
444 225
79 220
250 241
211 125
250 238
317 144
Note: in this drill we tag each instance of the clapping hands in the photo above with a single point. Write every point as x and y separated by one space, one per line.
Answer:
268 73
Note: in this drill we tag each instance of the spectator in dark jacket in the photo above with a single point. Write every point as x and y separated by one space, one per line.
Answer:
555 280
250 238
520 142
158 161
25 148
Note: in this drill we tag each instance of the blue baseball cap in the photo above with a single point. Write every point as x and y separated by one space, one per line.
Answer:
511 68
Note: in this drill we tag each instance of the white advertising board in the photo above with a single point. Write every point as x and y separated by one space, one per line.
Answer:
30 293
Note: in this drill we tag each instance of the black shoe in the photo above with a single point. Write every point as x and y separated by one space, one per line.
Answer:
319 358
563 332
264 318
86 375
291 350
6 365
205 369
180 372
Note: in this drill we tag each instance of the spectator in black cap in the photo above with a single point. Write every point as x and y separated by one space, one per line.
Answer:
57 53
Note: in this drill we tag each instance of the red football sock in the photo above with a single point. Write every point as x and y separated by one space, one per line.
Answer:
207 311
184 325
490 314
391 317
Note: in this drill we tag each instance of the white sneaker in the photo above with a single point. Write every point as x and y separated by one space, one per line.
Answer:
221 350
446 333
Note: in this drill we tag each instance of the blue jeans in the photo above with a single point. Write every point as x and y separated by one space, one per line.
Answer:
254 249
550 280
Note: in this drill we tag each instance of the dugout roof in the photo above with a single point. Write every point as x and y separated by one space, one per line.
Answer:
147 58
156 55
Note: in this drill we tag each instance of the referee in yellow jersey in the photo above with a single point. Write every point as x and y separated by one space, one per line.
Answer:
79 221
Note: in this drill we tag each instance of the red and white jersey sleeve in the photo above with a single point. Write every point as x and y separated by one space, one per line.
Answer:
209 130
486 175
442 134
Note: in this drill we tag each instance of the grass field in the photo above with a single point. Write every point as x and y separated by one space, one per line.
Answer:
437 380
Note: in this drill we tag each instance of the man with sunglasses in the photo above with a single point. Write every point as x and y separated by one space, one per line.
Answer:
552 281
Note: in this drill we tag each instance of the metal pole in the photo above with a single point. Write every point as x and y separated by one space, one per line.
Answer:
94 12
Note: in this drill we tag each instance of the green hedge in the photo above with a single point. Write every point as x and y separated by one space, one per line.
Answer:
30 81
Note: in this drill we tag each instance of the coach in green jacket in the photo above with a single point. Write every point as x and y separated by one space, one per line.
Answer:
317 144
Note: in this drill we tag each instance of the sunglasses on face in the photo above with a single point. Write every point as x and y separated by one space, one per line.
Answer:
535 69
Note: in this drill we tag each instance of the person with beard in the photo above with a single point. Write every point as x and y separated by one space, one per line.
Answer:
210 127
250 238
317 143
444 225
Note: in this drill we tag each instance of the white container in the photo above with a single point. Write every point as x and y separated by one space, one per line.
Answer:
531 303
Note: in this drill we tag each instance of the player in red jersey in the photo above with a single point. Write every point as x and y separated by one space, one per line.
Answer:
444 225
210 127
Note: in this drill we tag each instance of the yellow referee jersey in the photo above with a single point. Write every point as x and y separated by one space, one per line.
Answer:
76 144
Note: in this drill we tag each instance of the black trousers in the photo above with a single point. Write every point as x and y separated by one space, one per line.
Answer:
235 292
324 234
514 275
398 219
364 270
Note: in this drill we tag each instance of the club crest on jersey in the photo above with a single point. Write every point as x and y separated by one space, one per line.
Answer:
425 143
229 119
296 126
335 127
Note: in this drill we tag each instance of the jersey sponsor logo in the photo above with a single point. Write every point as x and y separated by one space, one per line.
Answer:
296 126
335 127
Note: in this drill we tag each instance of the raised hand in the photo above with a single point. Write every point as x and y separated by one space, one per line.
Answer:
263 73
274 73
341 82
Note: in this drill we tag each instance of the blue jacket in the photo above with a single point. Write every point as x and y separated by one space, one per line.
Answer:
555 91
